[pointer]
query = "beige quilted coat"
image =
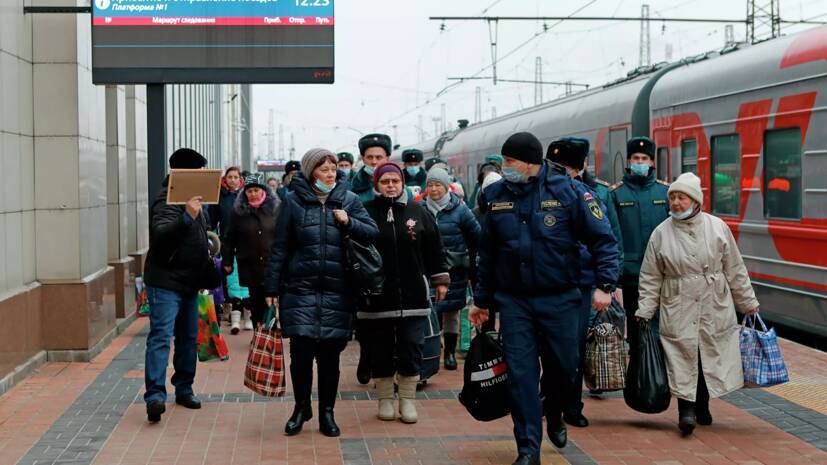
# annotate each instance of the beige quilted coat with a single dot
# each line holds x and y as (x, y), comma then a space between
(692, 271)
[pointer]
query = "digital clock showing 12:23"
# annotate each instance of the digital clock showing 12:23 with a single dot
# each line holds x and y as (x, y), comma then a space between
(312, 2)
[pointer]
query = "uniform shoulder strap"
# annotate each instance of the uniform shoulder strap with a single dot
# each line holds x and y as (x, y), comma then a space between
(615, 186)
(662, 182)
(602, 182)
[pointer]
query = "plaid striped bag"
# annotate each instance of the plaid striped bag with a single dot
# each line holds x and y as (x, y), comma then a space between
(604, 367)
(264, 373)
(760, 355)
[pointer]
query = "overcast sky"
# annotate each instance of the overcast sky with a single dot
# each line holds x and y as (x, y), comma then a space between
(391, 62)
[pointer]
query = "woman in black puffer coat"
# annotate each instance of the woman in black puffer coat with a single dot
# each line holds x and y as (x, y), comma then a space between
(307, 274)
(249, 239)
(460, 234)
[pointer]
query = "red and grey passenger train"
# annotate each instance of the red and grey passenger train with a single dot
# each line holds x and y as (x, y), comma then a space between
(750, 120)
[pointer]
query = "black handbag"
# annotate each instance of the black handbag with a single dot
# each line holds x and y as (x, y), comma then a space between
(364, 267)
(458, 259)
(485, 392)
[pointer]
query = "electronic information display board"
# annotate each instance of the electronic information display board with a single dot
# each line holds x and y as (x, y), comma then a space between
(212, 41)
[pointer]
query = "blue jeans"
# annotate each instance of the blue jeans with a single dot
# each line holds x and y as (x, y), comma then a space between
(529, 324)
(171, 314)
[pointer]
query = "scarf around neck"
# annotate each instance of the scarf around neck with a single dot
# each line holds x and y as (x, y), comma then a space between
(436, 206)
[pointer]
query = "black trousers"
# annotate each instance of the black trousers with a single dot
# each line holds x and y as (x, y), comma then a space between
(630, 297)
(258, 306)
(395, 345)
(326, 352)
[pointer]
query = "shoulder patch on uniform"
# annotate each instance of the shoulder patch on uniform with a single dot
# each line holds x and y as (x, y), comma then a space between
(595, 209)
(547, 204)
(662, 182)
(496, 206)
(615, 186)
(587, 196)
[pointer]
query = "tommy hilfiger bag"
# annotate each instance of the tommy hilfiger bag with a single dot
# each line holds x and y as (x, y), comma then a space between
(485, 388)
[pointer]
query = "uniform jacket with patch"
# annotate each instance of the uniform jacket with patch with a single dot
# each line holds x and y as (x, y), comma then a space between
(638, 205)
(531, 237)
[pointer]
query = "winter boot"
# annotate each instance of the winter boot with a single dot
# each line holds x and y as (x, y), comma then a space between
(248, 320)
(450, 348)
(407, 394)
(384, 392)
(702, 414)
(686, 416)
(327, 424)
(301, 413)
(363, 369)
(235, 321)
(227, 310)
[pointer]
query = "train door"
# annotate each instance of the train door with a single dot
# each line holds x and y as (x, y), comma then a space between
(617, 149)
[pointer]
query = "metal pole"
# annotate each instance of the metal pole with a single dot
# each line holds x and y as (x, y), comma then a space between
(156, 138)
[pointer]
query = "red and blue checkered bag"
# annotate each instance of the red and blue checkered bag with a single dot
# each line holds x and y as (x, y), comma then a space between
(761, 355)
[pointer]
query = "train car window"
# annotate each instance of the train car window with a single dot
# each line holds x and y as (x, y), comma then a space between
(662, 163)
(782, 173)
(689, 156)
(726, 174)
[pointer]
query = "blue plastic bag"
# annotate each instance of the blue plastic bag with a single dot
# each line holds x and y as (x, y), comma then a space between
(761, 355)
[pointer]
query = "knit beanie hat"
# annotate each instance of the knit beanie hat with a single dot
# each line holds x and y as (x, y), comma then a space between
(313, 158)
(690, 185)
(384, 168)
(439, 175)
(525, 147)
(490, 179)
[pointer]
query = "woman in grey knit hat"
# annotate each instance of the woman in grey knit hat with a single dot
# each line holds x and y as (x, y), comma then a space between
(306, 276)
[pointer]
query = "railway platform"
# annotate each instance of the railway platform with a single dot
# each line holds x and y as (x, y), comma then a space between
(93, 413)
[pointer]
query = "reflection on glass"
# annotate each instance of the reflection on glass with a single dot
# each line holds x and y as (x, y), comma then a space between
(782, 173)
(725, 174)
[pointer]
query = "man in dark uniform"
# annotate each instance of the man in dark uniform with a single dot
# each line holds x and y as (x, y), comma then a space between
(415, 176)
(345, 163)
(639, 203)
(375, 150)
(528, 264)
(290, 168)
(570, 154)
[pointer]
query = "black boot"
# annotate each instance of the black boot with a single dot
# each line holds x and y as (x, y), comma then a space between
(450, 348)
(686, 416)
(556, 429)
(526, 459)
(363, 369)
(702, 414)
(301, 413)
(327, 424)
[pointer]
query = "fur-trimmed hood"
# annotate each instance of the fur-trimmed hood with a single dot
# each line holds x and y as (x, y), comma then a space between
(242, 206)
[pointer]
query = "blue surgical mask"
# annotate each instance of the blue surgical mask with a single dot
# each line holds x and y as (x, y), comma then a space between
(640, 169)
(345, 173)
(682, 215)
(412, 170)
(369, 170)
(512, 175)
(324, 188)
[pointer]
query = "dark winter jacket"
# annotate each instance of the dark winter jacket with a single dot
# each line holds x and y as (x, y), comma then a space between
(307, 265)
(460, 235)
(178, 256)
(420, 180)
(530, 243)
(250, 237)
(221, 214)
(412, 253)
(361, 184)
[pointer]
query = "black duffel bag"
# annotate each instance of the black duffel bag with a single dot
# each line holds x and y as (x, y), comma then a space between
(647, 384)
(364, 268)
(485, 388)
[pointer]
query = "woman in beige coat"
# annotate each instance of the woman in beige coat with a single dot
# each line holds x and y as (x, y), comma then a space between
(692, 271)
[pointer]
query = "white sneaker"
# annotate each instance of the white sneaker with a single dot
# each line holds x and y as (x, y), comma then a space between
(248, 321)
(235, 321)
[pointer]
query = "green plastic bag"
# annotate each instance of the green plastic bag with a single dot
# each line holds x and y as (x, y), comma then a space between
(466, 330)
